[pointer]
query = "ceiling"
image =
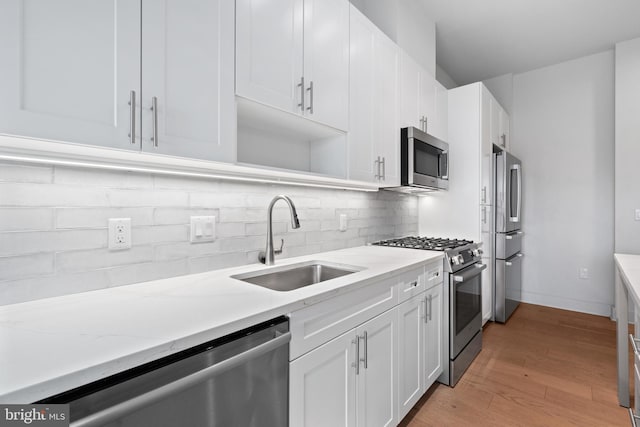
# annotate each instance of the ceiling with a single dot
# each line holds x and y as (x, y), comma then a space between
(480, 39)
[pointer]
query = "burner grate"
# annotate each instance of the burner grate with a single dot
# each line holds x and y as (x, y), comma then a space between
(425, 243)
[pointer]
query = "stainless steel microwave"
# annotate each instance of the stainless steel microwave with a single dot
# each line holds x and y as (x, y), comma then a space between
(424, 161)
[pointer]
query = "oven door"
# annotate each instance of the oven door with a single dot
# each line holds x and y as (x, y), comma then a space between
(465, 306)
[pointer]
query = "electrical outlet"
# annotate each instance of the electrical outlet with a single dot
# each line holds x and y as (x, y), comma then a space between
(203, 229)
(583, 273)
(119, 233)
(637, 214)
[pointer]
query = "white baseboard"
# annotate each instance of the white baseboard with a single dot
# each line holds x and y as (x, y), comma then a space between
(590, 307)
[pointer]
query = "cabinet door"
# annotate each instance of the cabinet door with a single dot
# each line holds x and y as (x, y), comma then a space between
(190, 99)
(68, 68)
(504, 129)
(269, 52)
(386, 128)
(495, 122)
(322, 385)
(362, 153)
(433, 336)
(428, 100)
(326, 61)
(377, 382)
(410, 95)
(411, 315)
(439, 125)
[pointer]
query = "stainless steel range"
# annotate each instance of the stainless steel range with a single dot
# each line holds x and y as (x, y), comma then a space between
(463, 267)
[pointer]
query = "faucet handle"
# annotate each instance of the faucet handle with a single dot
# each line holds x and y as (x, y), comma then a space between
(279, 251)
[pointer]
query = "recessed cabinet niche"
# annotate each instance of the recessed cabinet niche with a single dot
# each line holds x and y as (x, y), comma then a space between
(120, 74)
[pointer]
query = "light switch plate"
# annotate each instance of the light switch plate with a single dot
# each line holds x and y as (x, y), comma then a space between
(203, 229)
(119, 233)
(637, 214)
(583, 273)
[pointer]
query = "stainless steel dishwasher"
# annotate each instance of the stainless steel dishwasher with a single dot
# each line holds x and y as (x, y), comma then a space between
(239, 380)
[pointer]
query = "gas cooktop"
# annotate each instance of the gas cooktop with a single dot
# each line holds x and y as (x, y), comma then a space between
(426, 243)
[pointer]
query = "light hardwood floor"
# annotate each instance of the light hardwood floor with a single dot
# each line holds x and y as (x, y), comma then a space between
(546, 367)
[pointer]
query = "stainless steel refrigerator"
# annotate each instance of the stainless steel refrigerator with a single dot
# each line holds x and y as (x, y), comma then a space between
(508, 235)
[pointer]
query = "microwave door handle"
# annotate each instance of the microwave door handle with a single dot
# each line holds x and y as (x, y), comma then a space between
(519, 192)
(444, 158)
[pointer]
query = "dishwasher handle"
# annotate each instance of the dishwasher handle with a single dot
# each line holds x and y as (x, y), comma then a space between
(114, 412)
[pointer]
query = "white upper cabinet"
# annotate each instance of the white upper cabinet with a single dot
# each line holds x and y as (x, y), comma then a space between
(417, 95)
(439, 126)
(75, 72)
(188, 51)
(294, 55)
(374, 132)
(68, 68)
(269, 39)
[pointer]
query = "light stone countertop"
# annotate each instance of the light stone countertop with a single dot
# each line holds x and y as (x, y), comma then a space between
(52, 345)
(629, 269)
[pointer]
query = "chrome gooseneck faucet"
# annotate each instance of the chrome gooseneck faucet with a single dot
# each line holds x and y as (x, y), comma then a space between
(268, 256)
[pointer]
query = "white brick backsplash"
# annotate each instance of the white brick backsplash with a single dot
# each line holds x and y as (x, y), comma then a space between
(99, 217)
(148, 198)
(25, 219)
(53, 226)
(101, 258)
(215, 262)
(31, 242)
(21, 194)
(216, 200)
(16, 267)
(169, 216)
(25, 173)
(102, 178)
(159, 234)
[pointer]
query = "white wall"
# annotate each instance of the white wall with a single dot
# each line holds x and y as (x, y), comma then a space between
(563, 125)
(501, 87)
(627, 160)
(444, 78)
(407, 23)
(53, 226)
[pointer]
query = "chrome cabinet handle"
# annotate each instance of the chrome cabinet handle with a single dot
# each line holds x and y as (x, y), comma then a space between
(365, 359)
(425, 124)
(413, 284)
(508, 263)
(357, 363)
(384, 169)
(484, 194)
(377, 163)
(132, 117)
(154, 124)
(426, 309)
(504, 139)
(301, 86)
(310, 89)
(430, 307)
(121, 409)
(508, 237)
(484, 214)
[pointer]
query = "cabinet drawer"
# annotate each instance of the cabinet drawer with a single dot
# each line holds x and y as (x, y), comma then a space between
(433, 274)
(410, 284)
(315, 325)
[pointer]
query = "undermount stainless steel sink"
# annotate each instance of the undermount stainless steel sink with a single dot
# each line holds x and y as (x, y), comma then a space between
(290, 277)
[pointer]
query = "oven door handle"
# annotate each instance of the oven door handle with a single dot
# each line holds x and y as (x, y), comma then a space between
(470, 273)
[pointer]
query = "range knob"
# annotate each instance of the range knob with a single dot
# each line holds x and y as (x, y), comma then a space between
(477, 252)
(457, 260)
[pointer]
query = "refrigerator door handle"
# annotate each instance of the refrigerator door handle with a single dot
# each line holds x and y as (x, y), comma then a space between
(518, 172)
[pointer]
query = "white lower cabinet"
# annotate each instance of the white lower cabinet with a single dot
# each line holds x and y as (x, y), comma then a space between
(349, 381)
(372, 374)
(420, 352)
(376, 378)
(322, 385)
(410, 352)
(434, 334)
